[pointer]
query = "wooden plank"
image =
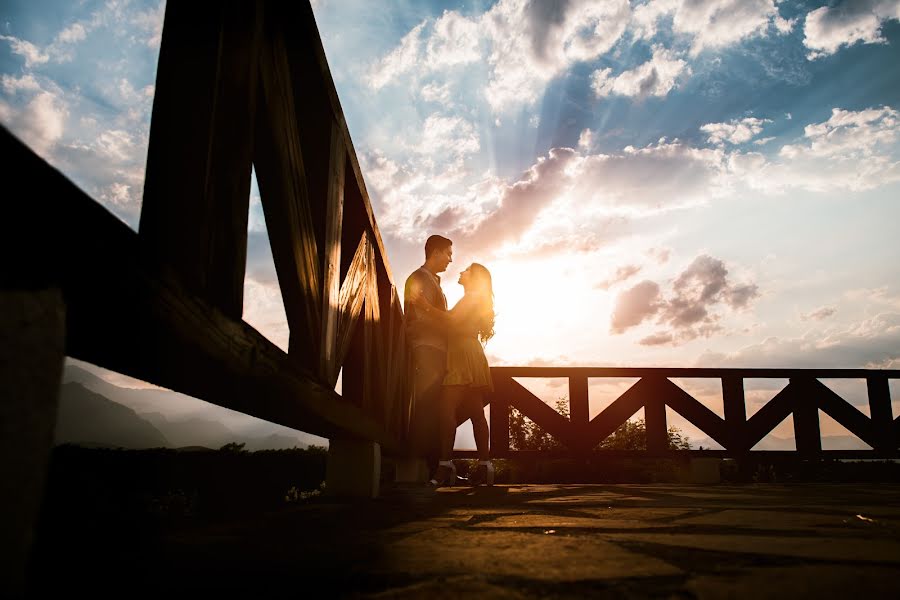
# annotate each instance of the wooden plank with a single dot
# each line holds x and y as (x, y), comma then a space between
(373, 366)
(352, 296)
(134, 320)
(735, 412)
(517, 396)
(622, 408)
(281, 176)
(197, 187)
(579, 410)
(669, 372)
(688, 407)
(769, 416)
(844, 413)
(331, 251)
(807, 434)
(880, 409)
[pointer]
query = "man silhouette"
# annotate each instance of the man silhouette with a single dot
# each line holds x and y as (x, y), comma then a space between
(427, 342)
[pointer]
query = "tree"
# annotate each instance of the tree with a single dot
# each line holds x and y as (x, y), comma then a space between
(525, 434)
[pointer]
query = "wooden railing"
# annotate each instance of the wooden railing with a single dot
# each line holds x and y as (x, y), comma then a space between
(803, 397)
(240, 83)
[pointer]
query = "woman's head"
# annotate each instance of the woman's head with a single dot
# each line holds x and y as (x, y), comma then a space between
(476, 280)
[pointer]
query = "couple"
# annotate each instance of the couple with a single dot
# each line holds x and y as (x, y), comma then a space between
(450, 372)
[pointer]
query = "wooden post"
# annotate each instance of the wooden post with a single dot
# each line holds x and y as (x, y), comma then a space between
(880, 410)
(806, 419)
(655, 420)
(735, 412)
(579, 412)
(32, 349)
(331, 272)
(197, 187)
(499, 414)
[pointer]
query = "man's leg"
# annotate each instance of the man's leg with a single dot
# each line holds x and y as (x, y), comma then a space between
(429, 366)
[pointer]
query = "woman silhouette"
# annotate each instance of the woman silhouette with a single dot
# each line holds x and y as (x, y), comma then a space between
(469, 324)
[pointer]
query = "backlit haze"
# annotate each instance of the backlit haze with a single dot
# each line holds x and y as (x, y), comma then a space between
(659, 183)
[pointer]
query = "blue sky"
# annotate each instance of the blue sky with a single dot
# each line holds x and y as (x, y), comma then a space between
(707, 183)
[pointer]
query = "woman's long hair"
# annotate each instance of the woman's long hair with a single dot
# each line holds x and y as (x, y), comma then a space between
(481, 282)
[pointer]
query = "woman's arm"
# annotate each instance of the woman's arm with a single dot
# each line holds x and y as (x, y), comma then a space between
(450, 319)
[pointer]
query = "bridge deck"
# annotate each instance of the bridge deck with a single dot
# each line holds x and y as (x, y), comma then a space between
(667, 540)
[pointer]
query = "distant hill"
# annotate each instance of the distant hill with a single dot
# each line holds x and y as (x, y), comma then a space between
(829, 442)
(165, 411)
(88, 418)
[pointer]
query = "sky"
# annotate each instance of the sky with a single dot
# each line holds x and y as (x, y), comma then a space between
(704, 183)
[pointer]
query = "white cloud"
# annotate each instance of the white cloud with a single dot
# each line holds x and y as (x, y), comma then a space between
(433, 92)
(585, 139)
(454, 41)
(523, 44)
(827, 29)
(399, 61)
(709, 24)
(150, 22)
(850, 151)
(40, 123)
(873, 342)
(26, 82)
(447, 135)
(72, 34)
(734, 131)
(31, 53)
(531, 43)
(656, 77)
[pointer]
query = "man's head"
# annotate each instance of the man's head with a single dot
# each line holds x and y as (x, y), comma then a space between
(438, 253)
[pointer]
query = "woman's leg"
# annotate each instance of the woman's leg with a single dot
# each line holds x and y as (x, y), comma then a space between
(473, 405)
(451, 396)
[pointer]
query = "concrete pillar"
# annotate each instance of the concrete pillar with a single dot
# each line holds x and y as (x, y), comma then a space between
(32, 350)
(353, 469)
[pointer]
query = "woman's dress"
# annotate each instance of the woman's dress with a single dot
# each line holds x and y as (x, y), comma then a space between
(466, 362)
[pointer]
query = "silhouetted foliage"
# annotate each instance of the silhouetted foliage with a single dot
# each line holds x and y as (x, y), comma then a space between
(525, 434)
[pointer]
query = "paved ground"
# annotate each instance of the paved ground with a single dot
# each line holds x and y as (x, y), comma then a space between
(521, 541)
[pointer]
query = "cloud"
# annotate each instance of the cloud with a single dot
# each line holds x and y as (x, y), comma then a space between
(523, 45)
(635, 305)
(656, 77)
(31, 53)
(734, 132)
(622, 274)
(521, 202)
(40, 123)
(709, 24)
(447, 135)
(399, 61)
(852, 150)
(433, 92)
(27, 82)
(827, 29)
(819, 314)
(689, 310)
(150, 23)
(873, 343)
(72, 34)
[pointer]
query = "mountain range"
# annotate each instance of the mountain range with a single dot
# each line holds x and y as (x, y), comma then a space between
(95, 412)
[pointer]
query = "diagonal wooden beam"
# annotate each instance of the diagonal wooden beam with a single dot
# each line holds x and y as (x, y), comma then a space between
(331, 273)
(844, 413)
(516, 395)
(351, 298)
(691, 409)
(769, 416)
(622, 408)
(282, 185)
(197, 188)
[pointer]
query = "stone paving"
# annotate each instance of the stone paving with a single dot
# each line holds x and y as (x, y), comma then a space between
(554, 541)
